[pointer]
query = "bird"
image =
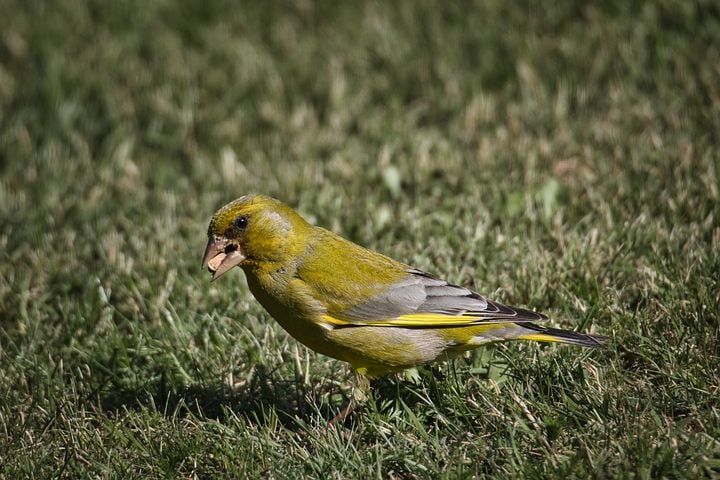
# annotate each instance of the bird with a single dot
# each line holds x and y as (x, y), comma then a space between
(356, 305)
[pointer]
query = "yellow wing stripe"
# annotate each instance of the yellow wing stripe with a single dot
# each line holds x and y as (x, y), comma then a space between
(428, 320)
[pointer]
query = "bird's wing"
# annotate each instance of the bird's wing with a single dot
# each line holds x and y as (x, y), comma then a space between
(422, 301)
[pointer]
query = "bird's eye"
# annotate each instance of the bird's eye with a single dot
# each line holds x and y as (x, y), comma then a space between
(241, 222)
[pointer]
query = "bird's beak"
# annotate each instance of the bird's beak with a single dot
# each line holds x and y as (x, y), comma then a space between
(220, 256)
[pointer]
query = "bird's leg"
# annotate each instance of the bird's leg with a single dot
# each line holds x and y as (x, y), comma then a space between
(358, 396)
(343, 414)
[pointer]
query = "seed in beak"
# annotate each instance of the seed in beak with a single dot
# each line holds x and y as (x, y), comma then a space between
(215, 262)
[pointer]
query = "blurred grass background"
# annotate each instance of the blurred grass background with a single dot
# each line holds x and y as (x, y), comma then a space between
(562, 156)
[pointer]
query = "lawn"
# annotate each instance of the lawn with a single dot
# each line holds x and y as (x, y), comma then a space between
(564, 157)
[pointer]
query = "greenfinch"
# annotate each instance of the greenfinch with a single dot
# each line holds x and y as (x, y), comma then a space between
(350, 303)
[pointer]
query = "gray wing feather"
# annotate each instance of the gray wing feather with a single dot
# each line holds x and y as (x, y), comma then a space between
(423, 293)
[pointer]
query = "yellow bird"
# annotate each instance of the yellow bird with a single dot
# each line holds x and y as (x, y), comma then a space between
(356, 305)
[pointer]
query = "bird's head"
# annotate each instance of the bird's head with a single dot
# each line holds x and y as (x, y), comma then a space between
(253, 230)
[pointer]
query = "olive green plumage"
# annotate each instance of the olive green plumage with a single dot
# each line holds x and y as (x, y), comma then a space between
(354, 304)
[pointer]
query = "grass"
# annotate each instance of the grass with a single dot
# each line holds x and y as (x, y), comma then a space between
(563, 157)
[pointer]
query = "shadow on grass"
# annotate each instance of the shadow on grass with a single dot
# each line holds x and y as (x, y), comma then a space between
(260, 401)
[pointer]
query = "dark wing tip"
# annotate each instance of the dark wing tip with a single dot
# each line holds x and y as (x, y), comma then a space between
(572, 337)
(514, 314)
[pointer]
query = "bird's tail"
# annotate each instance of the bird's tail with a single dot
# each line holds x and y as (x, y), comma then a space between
(539, 333)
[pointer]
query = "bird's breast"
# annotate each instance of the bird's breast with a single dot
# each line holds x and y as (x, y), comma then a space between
(296, 311)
